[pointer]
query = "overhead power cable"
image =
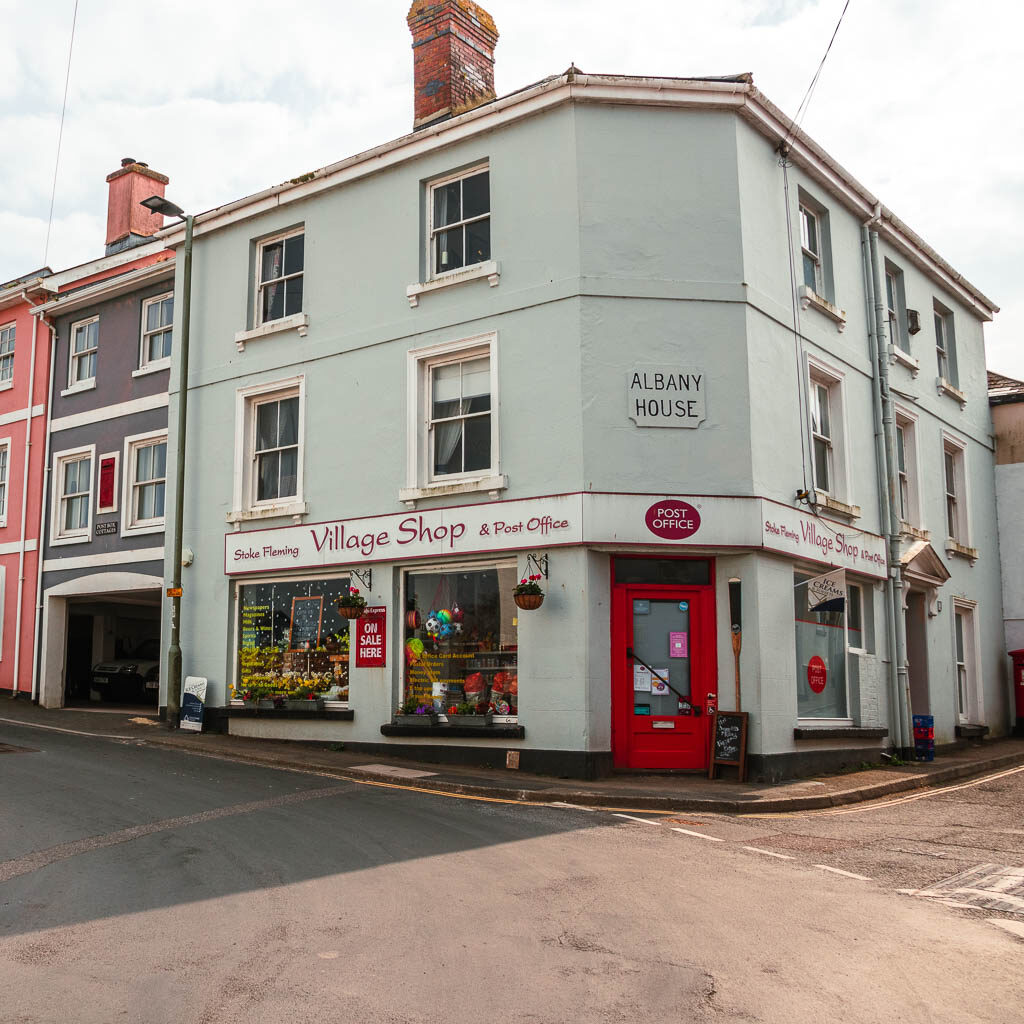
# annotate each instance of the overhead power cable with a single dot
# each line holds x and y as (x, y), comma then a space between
(60, 134)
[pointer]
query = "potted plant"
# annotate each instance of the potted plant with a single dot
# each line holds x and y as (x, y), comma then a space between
(469, 713)
(414, 711)
(352, 604)
(527, 593)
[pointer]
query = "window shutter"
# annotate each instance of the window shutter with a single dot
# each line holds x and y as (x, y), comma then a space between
(108, 482)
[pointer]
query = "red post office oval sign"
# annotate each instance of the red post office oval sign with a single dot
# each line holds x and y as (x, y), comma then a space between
(672, 519)
(817, 674)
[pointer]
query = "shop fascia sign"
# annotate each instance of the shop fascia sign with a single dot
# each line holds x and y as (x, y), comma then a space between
(674, 522)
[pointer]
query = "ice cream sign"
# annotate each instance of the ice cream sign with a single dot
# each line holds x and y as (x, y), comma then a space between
(665, 396)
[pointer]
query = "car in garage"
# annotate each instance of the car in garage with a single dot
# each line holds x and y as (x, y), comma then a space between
(134, 678)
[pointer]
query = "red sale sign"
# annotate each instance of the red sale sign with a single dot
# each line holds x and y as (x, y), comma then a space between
(371, 637)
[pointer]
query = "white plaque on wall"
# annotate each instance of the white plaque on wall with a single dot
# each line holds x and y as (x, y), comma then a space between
(665, 396)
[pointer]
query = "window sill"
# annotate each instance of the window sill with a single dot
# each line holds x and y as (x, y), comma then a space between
(840, 732)
(961, 550)
(906, 530)
(809, 298)
(500, 732)
(236, 710)
(88, 385)
(292, 508)
(491, 484)
(6, 385)
(944, 387)
(897, 355)
(825, 501)
(82, 539)
(491, 270)
(298, 322)
(154, 367)
(138, 531)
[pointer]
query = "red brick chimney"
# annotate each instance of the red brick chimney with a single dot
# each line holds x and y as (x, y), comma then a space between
(128, 223)
(453, 58)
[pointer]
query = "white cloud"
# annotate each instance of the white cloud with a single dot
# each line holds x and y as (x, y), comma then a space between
(917, 100)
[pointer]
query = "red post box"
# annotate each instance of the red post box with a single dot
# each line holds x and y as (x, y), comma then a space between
(1018, 689)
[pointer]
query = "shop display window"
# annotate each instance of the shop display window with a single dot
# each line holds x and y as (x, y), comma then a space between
(291, 640)
(821, 645)
(461, 640)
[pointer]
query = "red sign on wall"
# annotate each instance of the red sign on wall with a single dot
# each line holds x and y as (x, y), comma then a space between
(672, 519)
(372, 637)
(817, 674)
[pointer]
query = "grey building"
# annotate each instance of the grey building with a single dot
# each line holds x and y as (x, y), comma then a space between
(641, 338)
(104, 492)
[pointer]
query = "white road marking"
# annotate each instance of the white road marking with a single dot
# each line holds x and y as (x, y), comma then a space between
(572, 807)
(645, 821)
(1013, 927)
(699, 835)
(769, 853)
(840, 871)
(73, 732)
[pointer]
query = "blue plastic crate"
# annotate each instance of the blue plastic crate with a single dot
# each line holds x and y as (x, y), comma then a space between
(924, 721)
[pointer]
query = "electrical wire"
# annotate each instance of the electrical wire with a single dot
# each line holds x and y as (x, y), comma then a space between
(60, 134)
(805, 102)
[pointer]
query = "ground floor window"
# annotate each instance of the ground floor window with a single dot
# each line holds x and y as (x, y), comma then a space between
(821, 688)
(461, 640)
(291, 640)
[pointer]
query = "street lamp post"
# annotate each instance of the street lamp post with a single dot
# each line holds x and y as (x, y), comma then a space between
(157, 204)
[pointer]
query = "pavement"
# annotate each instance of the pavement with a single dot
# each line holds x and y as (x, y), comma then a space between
(669, 793)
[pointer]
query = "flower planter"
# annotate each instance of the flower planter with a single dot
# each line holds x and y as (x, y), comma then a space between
(351, 611)
(528, 601)
(304, 705)
(264, 704)
(473, 721)
(430, 719)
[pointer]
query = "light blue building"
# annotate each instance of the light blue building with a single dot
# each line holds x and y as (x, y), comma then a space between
(616, 332)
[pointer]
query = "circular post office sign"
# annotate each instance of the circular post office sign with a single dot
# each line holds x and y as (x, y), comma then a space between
(817, 674)
(672, 519)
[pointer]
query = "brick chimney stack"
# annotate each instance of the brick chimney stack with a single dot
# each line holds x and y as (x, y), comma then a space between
(453, 58)
(128, 223)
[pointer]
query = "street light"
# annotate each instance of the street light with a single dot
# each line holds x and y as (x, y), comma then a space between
(157, 204)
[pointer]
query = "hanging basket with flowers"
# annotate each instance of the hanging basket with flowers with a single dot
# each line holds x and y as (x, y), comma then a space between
(351, 605)
(527, 593)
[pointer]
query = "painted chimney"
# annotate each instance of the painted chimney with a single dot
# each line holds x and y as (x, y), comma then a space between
(128, 223)
(453, 58)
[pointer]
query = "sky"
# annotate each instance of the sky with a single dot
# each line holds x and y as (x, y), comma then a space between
(917, 100)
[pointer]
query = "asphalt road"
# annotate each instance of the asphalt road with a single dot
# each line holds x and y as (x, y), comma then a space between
(148, 885)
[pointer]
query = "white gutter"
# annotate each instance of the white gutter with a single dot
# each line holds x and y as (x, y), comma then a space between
(42, 506)
(24, 505)
(740, 96)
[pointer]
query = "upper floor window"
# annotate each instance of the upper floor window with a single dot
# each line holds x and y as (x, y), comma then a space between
(145, 483)
(906, 467)
(276, 448)
(460, 221)
(7, 353)
(157, 327)
(5, 449)
(821, 435)
(810, 246)
(280, 263)
(896, 307)
(954, 477)
(945, 343)
(85, 343)
(72, 495)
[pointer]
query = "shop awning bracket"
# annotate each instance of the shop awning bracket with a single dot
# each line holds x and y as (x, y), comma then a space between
(536, 565)
(365, 577)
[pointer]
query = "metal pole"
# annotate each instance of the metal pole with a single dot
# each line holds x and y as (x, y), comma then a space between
(174, 648)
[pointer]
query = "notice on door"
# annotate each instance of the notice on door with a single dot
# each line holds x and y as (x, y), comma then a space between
(679, 645)
(641, 679)
(371, 637)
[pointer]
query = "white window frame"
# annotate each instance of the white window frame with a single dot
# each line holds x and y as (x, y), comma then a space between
(974, 704)
(103, 510)
(958, 449)
(244, 505)
(130, 526)
(58, 535)
(906, 421)
(12, 327)
(420, 481)
(861, 607)
(5, 482)
(258, 283)
(147, 365)
(433, 274)
(809, 215)
(86, 382)
(821, 375)
(450, 567)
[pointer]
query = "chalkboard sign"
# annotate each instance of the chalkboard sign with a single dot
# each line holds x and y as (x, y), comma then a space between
(729, 742)
(307, 613)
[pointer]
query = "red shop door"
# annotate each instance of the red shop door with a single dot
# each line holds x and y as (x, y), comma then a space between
(664, 678)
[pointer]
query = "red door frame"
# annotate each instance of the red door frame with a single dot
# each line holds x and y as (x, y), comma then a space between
(703, 668)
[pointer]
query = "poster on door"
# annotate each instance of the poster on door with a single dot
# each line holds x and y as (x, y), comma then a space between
(659, 681)
(371, 637)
